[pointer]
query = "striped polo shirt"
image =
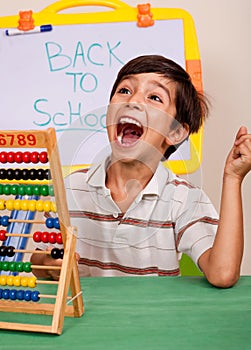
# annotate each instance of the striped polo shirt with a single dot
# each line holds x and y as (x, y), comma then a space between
(167, 218)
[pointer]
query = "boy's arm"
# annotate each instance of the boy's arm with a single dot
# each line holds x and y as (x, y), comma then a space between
(221, 264)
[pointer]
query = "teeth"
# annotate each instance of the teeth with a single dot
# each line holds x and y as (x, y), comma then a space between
(130, 120)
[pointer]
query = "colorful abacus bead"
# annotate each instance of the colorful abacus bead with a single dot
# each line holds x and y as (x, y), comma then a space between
(5, 220)
(3, 157)
(18, 157)
(43, 158)
(27, 295)
(37, 236)
(10, 157)
(6, 294)
(35, 296)
(13, 294)
(10, 251)
(27, 266)
(3, 235)
(57, 253)
(34, 157)
(3, 250)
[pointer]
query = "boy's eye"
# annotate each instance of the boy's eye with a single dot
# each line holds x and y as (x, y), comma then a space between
(155, 98)
(124, 91)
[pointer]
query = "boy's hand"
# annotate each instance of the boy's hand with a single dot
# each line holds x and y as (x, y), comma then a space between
(238, 162)
(49, 261)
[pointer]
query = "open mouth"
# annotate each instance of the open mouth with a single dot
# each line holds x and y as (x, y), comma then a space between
(129, 131)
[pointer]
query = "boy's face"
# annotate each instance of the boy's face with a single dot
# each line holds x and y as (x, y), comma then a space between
(140, 115)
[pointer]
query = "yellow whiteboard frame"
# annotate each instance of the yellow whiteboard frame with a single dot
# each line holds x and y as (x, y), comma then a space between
(121, 12)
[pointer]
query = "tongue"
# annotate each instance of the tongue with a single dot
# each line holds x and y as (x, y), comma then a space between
(130, 135)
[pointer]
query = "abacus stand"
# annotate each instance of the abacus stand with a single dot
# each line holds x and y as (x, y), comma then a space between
(69, 277)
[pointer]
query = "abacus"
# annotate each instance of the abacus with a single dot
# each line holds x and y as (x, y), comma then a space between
(47, 182)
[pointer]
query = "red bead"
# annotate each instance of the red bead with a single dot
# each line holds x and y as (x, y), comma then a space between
(59, 239)
(34, 157)
(43, 157)
(26, 157)
(37, 236)
(3, 235)
(3, 157)
(52, 237)
(18, 157)
(44, 237)
(11, 157)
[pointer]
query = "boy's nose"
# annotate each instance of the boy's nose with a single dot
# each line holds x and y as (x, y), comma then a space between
(136, 101)
(135, 105)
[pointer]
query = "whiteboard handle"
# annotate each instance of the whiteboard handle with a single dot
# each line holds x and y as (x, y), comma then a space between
(63, 5)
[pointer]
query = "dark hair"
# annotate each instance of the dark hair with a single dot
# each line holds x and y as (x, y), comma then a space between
(191, 105)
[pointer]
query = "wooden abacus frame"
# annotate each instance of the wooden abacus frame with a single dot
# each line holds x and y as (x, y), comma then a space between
(69, 277)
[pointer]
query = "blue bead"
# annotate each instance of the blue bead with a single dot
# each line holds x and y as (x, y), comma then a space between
(49, 222)
(35, 296)
(12, 294)
(1, 290)
(56, 223)
(27, 295)
(5, 220)
(20, 295)
(5, 293)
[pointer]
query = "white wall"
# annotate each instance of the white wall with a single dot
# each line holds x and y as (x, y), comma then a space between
(223, 30)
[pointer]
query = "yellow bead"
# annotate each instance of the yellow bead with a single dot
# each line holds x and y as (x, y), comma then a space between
(3, 279)
(17, 281)
(2, 204)
(32, 205)
(40, 205)
(32, 282)
(24, 204)
(47, 206)
(24, 281)
(9, 280)
(9, 204)
(17, 204)
(53, 207)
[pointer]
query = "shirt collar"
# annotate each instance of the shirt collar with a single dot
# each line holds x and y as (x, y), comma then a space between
(97, 176)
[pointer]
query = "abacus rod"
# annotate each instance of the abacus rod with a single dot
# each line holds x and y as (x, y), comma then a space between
(46, 282)
(50, 296)
(27, 221)
(32, 251)
(45, 267)
(18, 235)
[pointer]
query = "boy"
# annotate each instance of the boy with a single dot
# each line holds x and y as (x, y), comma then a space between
(134, 216)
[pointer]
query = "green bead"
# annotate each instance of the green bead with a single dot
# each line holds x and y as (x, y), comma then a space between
(5, 265)
(14, 189)
(1, 189)
(51, 191)
(44, 190)
(21, 190)
(19, 266)
(29, 190)
(27, 266)
(6, 190)
(12, 266)
(36, 190)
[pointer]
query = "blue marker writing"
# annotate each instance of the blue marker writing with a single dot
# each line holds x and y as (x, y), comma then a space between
(41, 29)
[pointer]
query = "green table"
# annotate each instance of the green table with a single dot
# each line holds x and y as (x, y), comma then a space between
(150, 313)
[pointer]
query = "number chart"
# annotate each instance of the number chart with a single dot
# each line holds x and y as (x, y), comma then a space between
(20, 190)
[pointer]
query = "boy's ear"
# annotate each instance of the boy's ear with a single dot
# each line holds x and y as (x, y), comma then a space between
(177, 135)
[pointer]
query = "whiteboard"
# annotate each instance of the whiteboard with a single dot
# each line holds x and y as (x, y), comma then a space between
(63, 78)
